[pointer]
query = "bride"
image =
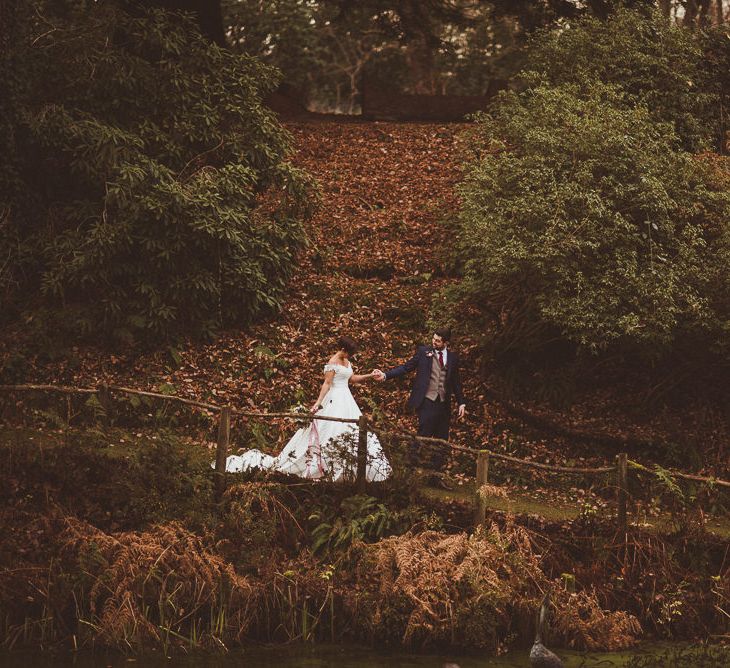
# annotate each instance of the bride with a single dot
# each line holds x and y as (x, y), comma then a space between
(325, 449)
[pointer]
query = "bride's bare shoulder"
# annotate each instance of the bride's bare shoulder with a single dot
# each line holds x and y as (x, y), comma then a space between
(330, 366)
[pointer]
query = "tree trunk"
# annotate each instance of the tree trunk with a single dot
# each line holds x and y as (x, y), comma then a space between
(353, 91)
(420, 39)
(8, 20)
(690, 13)
(705, 9)
(420, 63)
(719, 13)
(696, 13)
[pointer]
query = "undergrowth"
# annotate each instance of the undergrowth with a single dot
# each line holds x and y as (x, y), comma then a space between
(115, 540)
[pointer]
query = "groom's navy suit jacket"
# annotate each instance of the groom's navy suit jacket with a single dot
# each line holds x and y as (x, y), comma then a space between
(423, 359)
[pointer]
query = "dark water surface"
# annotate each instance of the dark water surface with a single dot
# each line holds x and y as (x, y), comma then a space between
(339, 656)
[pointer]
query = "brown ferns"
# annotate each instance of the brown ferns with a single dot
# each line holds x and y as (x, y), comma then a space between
(478, 591)
(160, 586)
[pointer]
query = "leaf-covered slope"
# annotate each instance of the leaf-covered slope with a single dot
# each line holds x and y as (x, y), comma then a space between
(378, 253)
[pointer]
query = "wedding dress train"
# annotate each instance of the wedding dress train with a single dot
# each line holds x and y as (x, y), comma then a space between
(323, 449)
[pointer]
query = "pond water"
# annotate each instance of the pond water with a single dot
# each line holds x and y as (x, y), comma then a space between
(339, 656)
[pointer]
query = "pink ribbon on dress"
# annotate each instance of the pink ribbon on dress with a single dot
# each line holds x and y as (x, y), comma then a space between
(314, 448)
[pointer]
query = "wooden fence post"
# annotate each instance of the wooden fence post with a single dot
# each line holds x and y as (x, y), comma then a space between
(221, 453)
(480, 510)
(105, 401)
(622, 489)
(362, 454)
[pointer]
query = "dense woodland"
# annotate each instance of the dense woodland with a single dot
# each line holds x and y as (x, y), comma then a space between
(163, 228)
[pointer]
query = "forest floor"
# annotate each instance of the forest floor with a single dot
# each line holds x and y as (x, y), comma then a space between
(378, 255)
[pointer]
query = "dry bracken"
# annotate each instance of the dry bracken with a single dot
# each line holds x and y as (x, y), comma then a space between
(476, 591)
(158, 586)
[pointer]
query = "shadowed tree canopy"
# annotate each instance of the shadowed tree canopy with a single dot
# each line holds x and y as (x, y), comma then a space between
(459, 47)
(416, 24)
(206, 12)
(147, 191)
(421, 19)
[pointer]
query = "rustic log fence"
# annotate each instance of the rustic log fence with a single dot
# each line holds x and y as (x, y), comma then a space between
(483, 456)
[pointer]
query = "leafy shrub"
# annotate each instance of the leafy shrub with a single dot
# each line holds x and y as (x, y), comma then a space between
(361, 518)
(584, 224)
(149, 190)
(654, 62)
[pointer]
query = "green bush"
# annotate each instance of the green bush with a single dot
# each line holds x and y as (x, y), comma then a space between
(654, 62)
(149, 189)
(584, 223)
(115, 480)
(363, 518)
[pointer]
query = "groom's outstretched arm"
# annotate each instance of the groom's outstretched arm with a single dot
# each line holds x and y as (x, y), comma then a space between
(403, 369)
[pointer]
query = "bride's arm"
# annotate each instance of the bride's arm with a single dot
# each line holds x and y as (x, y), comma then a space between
(355, 379)
(326, 385)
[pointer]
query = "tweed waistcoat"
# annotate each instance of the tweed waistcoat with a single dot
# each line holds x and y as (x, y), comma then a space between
(437, 383)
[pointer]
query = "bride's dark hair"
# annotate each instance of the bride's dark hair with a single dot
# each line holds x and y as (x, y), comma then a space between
(347, 344)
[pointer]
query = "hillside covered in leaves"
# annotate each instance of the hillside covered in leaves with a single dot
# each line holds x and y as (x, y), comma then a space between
(379, 255)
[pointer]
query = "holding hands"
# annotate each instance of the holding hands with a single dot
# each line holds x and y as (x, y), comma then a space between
(377, 374)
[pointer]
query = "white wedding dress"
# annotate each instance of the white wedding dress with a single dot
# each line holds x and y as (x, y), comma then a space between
(323, 449)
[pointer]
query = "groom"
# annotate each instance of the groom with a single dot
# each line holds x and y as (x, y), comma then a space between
(437, 378)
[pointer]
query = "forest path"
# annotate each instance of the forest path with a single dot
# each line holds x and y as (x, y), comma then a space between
(540, 507)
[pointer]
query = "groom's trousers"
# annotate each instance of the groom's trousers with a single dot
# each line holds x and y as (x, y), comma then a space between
(433, 421)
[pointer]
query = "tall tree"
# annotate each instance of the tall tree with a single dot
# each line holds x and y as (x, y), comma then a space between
(695, 12)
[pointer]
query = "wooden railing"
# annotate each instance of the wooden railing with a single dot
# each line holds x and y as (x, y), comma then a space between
(103, 393)
(483, 456)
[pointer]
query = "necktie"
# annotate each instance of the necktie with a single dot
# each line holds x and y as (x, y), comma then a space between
(441, 359)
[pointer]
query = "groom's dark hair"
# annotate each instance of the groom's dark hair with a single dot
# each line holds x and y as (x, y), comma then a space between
(347, 344)
(443, 332)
